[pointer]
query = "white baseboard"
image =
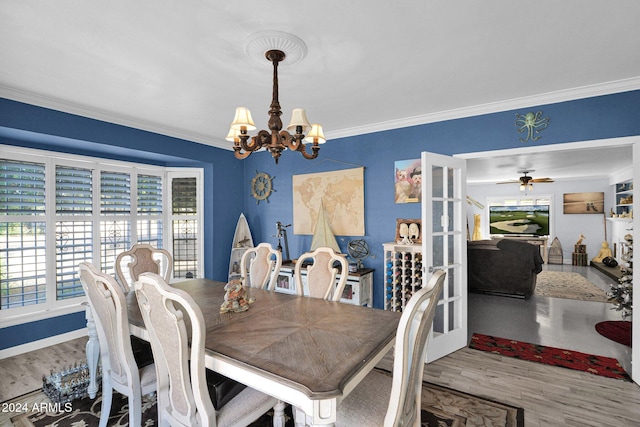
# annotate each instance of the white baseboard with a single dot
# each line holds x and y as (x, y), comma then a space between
(36, 345)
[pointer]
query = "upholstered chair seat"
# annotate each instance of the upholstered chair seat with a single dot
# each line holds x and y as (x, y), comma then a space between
(177, 331)
(120, 370)
(385, 400)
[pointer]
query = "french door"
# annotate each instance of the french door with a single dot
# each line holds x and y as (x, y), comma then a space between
(444, 247)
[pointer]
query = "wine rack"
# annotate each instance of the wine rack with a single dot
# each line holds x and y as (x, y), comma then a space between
(402, 273)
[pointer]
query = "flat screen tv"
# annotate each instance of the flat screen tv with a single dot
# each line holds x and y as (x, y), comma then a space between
(519, 220)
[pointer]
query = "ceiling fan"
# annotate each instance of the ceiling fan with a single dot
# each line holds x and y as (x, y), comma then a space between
(526, 181)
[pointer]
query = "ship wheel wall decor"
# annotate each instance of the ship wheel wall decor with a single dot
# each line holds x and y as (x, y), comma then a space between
(261, 186)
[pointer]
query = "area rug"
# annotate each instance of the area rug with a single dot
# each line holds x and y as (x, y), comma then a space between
(597, 365)
(440, 407)
(569, 285)
(616, 330)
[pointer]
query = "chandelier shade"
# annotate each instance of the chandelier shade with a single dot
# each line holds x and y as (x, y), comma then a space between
(275, 140)
(243, 120)
(316, 135)
(299, 118)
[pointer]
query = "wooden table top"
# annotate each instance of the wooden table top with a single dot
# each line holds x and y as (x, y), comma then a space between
(314, 346)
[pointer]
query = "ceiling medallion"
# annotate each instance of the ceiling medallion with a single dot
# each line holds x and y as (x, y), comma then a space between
(256, 45)
(272, 46)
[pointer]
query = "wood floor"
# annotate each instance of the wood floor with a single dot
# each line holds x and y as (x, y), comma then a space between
(550, 396)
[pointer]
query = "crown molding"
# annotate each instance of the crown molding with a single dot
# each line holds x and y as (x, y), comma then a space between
(107, 116)
(476, 110)
(493, 107)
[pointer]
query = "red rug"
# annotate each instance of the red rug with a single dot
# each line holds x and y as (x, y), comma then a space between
(616, 330)
(597, 365)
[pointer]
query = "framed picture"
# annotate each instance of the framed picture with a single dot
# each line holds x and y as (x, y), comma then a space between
(583, 203)
(408, 231)
(408, 181)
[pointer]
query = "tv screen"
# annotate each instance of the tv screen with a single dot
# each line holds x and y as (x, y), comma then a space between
(519, 220)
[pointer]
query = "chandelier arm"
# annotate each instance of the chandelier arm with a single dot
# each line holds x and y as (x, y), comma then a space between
(250, 146)
(240, 155)
(294, 143)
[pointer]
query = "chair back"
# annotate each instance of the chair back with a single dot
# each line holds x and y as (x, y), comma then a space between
(142, 258)
(109, 308)
(262, 264)
(410, 354)
(171, 317)
(321, 275)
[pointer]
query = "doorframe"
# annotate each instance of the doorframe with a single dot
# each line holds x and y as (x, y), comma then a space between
(634, 142)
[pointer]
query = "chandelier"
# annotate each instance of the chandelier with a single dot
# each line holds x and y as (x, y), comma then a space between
(275, 139)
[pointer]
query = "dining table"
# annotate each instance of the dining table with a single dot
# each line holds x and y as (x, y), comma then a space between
(308, 352)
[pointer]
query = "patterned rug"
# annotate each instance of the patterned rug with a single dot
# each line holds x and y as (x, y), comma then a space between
(561, 284)
(440, 407)
(616, 330)
(597, 365)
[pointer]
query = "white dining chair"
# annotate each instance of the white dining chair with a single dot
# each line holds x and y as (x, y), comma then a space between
(142, 258)
(321, 275)
(120, 371)
(260, 266)
(383, 400)
(177, 331)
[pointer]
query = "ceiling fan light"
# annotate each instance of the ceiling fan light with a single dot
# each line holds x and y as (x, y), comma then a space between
(522, 187)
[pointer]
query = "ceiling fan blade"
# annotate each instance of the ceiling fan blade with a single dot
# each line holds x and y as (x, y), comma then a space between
(542, 180)
(509, 182)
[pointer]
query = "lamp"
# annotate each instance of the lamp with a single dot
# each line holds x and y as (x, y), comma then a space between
(275, 140)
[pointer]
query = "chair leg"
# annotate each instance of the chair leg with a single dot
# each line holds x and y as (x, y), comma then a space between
(135, 410)
(107, 397)
(278, 414)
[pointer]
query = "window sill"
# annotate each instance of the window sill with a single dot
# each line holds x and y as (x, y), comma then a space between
(45, 313)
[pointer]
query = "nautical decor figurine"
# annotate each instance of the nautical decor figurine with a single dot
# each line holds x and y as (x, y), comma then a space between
(532, 123)
(236, 298)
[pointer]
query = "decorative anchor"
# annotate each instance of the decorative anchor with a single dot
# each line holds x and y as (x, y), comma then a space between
(282, 234)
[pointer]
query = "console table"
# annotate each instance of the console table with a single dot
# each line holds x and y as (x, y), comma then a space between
(357, 291)
(538, 241)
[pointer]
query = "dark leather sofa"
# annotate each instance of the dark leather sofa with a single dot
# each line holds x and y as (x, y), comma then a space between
(503, 267)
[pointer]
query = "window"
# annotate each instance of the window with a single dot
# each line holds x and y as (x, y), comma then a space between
(56, 212)
(74, 227)
(23, 228)
(184, 225)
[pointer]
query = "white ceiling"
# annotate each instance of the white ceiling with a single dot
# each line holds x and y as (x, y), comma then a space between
(179, 68)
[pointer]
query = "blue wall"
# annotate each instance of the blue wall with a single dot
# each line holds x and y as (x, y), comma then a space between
(35, 127)
(227, 192)
(587, 119)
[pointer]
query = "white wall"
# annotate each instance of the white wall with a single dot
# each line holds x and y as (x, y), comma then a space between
(566, 227)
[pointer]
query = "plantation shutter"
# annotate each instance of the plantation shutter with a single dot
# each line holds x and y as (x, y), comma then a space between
(184, 200)
(73, 191)
(22, 188)
(115, 193)
(149, 194)
(22, 238)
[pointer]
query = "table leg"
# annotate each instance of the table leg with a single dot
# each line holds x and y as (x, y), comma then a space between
(325, 415)
(93, 353)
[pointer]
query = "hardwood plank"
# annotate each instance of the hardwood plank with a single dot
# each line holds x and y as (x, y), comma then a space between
(550, 396)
